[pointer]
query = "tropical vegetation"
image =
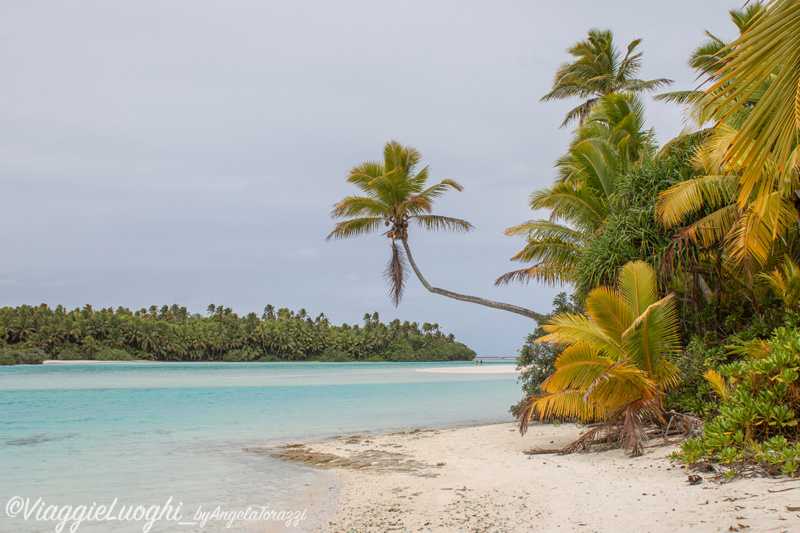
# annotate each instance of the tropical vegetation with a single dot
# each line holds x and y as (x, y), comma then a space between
(171, 333)
(615, 365)
(682, 259)
(712, 218)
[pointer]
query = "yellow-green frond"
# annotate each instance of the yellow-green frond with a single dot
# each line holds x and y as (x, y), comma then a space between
(652, 338)
(690, 196)
(606, 309)
(436, 222)
(573, 329)
(549, 274)
(354, 227)
(718, 384)
(565, 404)
(637, 285)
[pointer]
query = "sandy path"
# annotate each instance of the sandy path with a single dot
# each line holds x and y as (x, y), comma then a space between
(477, 479)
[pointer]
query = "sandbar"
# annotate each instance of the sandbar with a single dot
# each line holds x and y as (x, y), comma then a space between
(476, 369)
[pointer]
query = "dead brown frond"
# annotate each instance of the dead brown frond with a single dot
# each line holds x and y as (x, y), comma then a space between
(630, 427)
(395, 274)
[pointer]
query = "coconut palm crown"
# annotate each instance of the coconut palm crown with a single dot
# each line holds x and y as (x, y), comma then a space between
(598, 69)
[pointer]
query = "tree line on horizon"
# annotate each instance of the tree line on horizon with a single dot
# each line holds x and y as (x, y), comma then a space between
(682, 259)
(172, 333)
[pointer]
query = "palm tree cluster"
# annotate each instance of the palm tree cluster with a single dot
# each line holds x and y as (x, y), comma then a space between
(171, 333)
(718, 242)
(694, 242)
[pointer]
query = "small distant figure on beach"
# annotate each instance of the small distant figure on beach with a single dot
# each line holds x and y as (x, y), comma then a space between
(476, 362)
(481, 362)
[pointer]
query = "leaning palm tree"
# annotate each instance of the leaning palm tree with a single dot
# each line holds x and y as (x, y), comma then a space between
(597, 70)
(615, 367)
(395, 197)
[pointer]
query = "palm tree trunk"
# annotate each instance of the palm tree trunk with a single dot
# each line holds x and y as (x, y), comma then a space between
(466, 298)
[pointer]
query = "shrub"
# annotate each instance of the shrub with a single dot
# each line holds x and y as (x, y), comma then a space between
(332, 355)
(69, 354)
(756, 425)
(24, 356)
(244, 354)
(7, 359)
(112, 354)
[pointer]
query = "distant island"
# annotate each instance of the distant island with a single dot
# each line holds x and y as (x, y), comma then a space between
(31, 335)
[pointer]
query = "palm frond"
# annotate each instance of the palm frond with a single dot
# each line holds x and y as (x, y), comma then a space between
(652, 338)
(718, 384)
(637, 285)
(549, 274)
(437, 222)
(355, 227)
(690, 196)
(610, 312)
(573, 329)
(766, 56)
(358, 206)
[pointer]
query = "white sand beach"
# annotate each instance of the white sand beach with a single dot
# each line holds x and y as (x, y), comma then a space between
(90, 362)
(478, 479)
(476, 369)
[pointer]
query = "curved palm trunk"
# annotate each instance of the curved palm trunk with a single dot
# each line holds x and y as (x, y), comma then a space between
(466, 298)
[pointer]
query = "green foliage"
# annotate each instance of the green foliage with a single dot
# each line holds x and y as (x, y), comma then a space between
(694, 394)
(69, 354)
(171, 333)
(332, 355)
(616, 360)
(757, 425)
(247, 353)
(112, 354)
(536, 361)
(630, 232)
(23, 356)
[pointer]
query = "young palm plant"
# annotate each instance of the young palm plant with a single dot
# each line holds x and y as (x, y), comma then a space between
(394, 197)
(615, 367)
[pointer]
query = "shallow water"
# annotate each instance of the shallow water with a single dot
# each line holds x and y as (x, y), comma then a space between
(142, 433)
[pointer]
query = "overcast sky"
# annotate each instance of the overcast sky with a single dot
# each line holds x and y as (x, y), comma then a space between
(159, 152)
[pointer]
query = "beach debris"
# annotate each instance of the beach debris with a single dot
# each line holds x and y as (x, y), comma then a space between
(694, 479)
(612, 434)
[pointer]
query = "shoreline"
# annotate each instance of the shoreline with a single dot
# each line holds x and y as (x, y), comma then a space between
(490, 369)
(477, 478)
(477, 369)
(91, 361)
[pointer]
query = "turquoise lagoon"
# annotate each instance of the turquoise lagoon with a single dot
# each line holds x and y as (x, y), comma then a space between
(142, 433)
